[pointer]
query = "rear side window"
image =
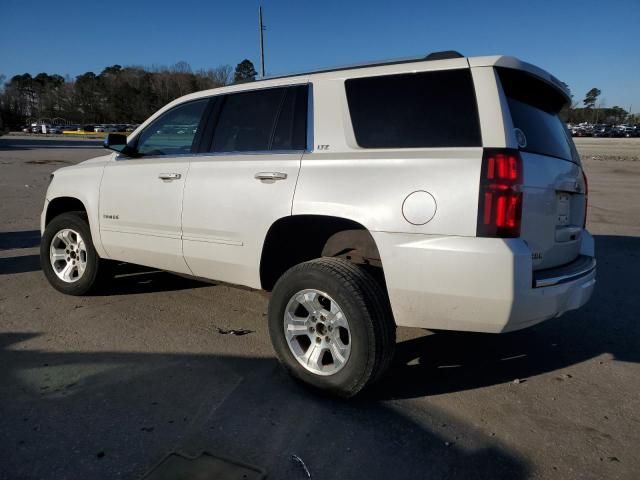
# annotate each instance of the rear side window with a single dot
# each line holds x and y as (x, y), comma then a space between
(260, 120)
(415, 110)
(534, 107)
(291, 128)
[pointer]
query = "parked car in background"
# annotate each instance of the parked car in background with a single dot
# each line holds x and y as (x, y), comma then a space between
(602, 130)
(581, 131)
(55, 129)
(41, 128)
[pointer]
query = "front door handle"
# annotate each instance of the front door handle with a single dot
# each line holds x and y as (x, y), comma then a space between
(169, 176)
(270, 176)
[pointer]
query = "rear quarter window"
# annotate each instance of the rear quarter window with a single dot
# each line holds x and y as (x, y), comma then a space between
(415, 110)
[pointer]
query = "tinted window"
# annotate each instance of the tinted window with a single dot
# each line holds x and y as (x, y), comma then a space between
(534, 107)
(291, 128)
(260, 120)
(432, 109)
(173, 132)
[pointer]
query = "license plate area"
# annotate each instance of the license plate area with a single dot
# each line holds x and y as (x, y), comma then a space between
(563, 209)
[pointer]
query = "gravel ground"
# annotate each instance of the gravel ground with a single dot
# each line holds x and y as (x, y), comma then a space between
(103, 387)
(606, 149)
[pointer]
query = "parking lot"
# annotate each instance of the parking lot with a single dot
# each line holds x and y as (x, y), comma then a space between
(106, 386)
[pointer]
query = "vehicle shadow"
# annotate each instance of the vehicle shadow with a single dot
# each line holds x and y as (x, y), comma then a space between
(105, 415)
(450, 361)
(19, 264)
(10, 143)
(129, 279)
(21, 239)
(446, 362)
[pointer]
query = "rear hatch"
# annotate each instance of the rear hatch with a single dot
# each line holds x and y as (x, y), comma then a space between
(554, 187)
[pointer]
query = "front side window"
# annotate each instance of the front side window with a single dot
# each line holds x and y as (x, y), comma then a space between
(415, 110)
(173, 133)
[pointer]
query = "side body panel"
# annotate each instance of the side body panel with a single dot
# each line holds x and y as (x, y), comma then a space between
(370, 186)
(227, 212)
(82, 182)
(140, 212)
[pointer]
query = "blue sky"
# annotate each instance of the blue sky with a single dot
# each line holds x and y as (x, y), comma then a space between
(584, 43)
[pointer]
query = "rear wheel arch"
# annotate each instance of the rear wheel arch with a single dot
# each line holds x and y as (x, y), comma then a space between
(300, 238)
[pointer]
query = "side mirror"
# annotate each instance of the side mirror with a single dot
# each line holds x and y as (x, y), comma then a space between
(118, 143)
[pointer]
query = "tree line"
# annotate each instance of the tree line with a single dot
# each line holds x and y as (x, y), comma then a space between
(131, 94)
(593, 111)
(116, 95)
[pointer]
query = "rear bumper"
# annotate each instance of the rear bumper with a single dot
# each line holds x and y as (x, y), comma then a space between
(580, 267)
(477, 284)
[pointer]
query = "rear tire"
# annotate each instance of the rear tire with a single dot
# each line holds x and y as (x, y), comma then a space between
(68, 258)
(331, 325)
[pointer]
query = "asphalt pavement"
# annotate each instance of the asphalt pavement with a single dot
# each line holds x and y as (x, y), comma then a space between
(106, 386)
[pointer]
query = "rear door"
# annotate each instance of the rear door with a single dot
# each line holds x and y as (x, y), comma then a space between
(246, 181)
(554, 188)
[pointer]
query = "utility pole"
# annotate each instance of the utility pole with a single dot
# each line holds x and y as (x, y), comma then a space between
(262, 29)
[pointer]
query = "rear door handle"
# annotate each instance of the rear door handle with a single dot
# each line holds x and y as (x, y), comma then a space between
(169, 176)
(270, 176)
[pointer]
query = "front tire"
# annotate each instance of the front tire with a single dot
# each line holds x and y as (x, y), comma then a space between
(67, 255)
(331, 325)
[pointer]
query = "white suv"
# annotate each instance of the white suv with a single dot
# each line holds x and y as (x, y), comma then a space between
(441, 193)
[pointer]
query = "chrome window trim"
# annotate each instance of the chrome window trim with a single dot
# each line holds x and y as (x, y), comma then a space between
(252, 152)
(215, 154)
(309, 118)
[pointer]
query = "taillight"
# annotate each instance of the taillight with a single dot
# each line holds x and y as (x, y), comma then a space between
(500, 201)
(586, 199)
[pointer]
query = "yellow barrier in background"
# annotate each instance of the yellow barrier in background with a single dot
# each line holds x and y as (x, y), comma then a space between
(93, 134)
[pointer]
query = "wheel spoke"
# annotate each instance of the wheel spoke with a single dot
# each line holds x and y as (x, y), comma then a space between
(82, 266)
(309, 300)
(66, 238)
(313, 356)
(291, 319)
(339, 320)
(57, 254)
(337, 352)
(67, 272)
(296, 331)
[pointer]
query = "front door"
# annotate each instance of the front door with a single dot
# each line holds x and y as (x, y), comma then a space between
(141, 197)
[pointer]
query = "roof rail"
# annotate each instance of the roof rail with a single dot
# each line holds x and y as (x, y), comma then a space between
(432, 56)
(443, 55)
